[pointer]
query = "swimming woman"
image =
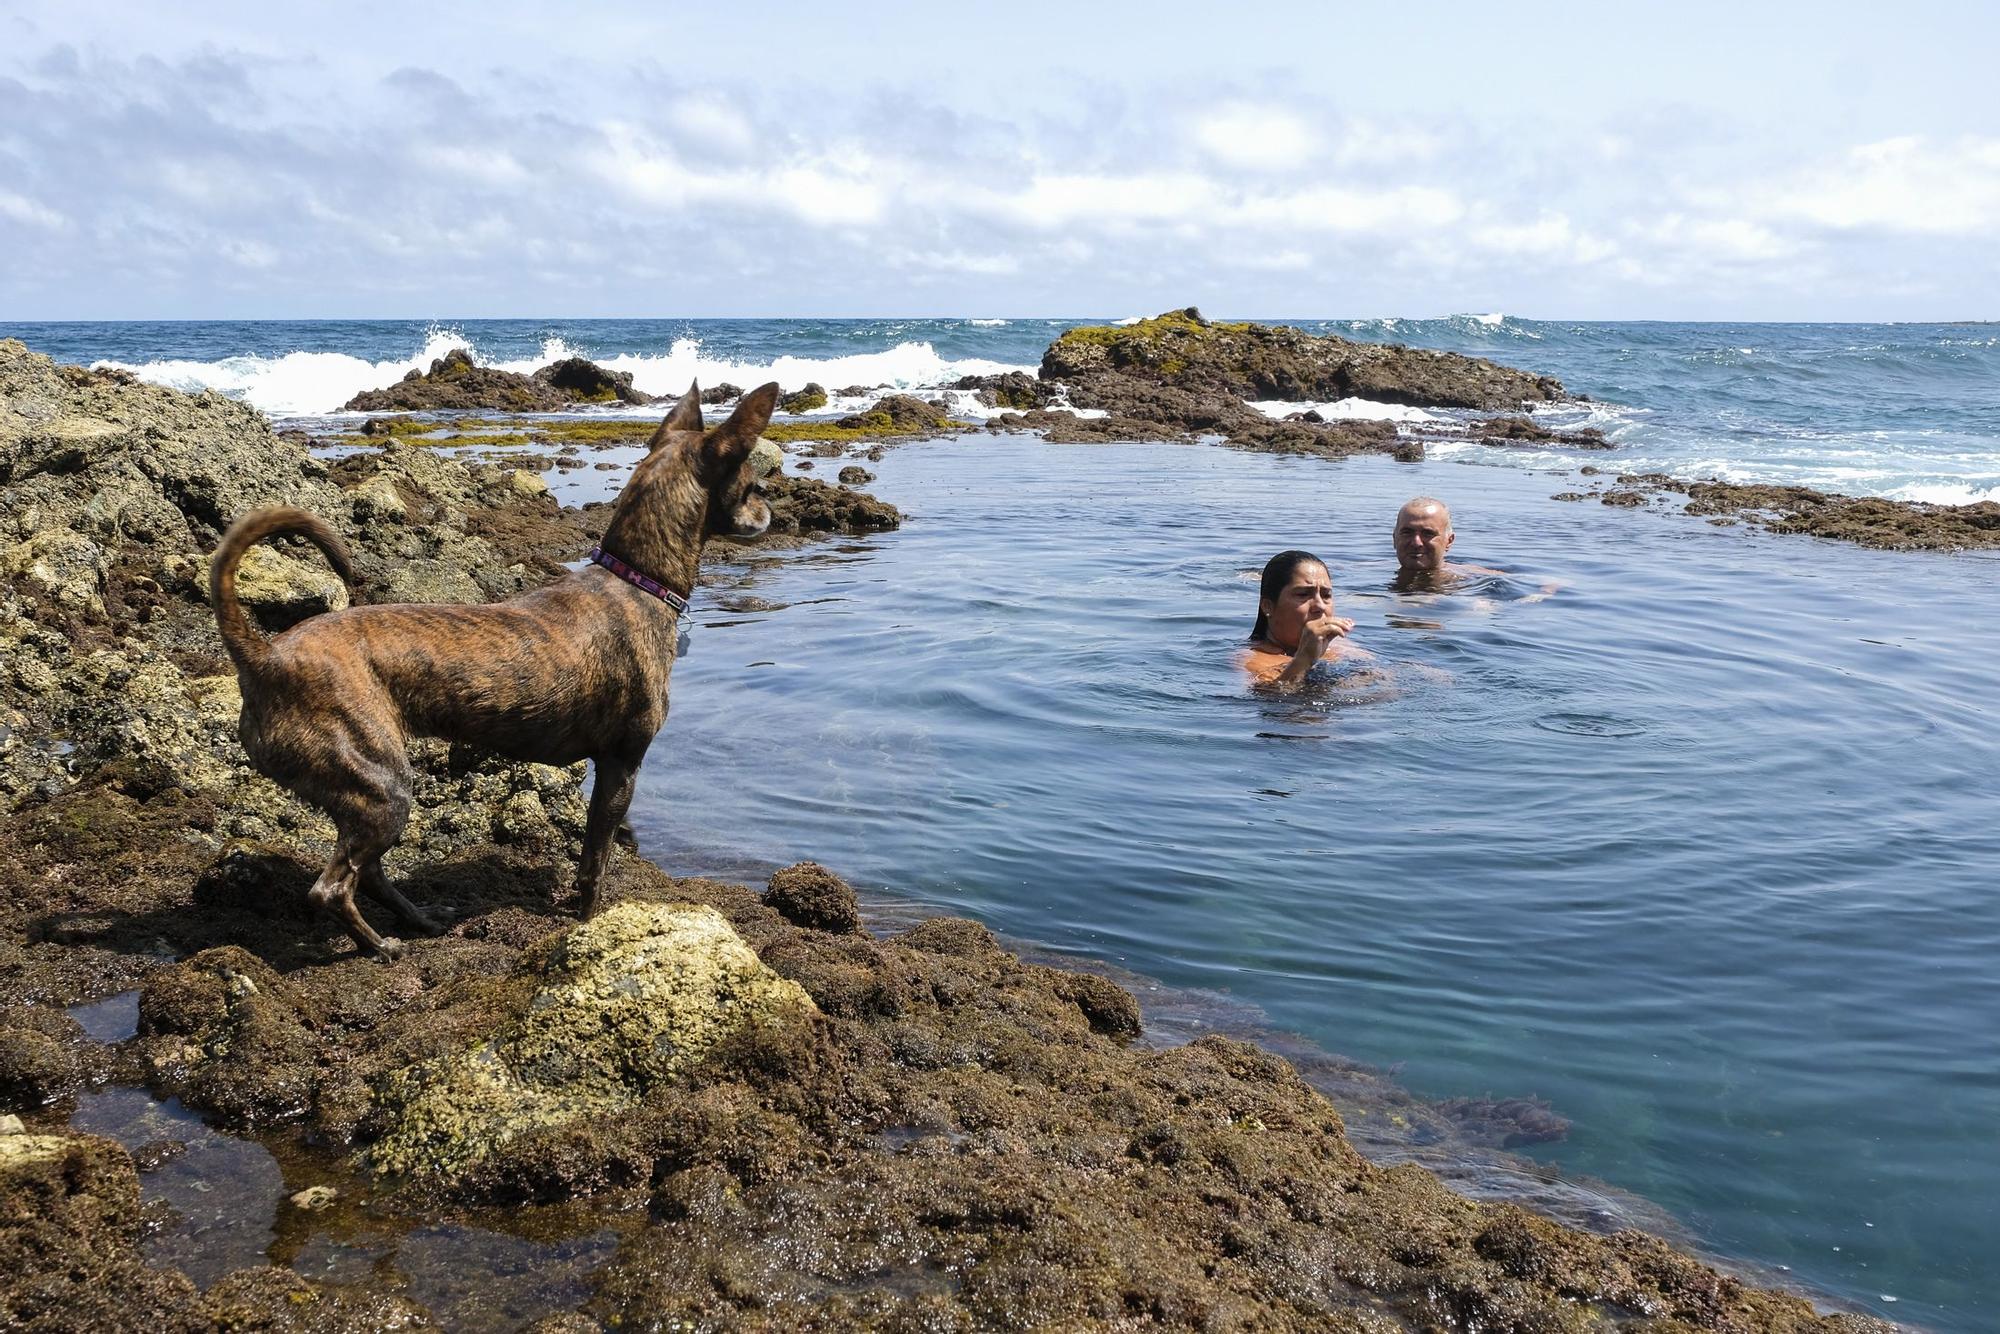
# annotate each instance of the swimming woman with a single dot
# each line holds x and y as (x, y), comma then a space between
(1296, 627)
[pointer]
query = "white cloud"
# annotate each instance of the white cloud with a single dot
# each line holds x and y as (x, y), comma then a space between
(486, 166)
(709, 123)
(824, 193)
(1898, 185)
(1352, 209)
(1368, 143)
(1064, 200)
(1255, 137)
(1551, 238)
(249, 254)
(25, 210)
(1726, 239)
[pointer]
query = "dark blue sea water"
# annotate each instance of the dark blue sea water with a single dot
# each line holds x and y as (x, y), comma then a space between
(1698, 848)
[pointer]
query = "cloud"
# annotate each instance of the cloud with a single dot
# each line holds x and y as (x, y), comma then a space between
(484, 189)
(29, 213)
(1256, 138)
(1907, 185)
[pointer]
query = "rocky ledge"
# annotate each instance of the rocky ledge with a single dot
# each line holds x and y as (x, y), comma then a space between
(1184, 376)
(1872, 521)
(778, 1119)
(455, 382)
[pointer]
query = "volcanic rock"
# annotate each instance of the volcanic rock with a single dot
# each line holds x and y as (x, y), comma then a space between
(808, 399)
(587, 382)
(1257, 361)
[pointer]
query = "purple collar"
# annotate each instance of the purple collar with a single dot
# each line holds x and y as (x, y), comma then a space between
(631, 576)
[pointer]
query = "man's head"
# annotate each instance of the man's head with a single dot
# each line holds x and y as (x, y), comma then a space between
(1423, 535)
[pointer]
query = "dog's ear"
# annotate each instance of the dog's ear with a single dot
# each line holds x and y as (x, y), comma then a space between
(686, 416)
(730, 443)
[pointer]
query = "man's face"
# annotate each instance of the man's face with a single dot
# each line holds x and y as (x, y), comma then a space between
(1307, 596)
(1423, 536)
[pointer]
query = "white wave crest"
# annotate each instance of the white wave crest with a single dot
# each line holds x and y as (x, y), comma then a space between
(1347, 409)
(316, 383)
(297, 383)
(989, 324)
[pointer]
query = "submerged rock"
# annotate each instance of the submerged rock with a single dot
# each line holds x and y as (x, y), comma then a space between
(624, 1003)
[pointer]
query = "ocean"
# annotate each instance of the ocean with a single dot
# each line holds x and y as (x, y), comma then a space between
(1909, 411)
(1697, 849)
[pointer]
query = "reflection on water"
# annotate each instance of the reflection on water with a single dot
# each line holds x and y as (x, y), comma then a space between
(1658, 849)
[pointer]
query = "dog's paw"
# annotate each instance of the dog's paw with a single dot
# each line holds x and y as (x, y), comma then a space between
(390, 950)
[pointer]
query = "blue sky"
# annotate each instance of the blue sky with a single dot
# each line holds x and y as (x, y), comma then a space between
(1692, 161)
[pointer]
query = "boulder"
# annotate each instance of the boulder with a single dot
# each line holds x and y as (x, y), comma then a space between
(722, 393)
(1015, 389)
(284, 589)
(811, 896)
(896, 414)
(765, 457)
(809, 399)
(629, 1001)
(587, 382)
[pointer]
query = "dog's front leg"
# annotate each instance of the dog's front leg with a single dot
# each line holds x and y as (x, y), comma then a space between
(610, 794)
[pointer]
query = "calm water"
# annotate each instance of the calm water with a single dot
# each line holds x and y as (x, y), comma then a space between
(1697, 849)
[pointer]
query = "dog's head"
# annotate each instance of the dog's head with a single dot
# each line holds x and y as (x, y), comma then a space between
(693, 474)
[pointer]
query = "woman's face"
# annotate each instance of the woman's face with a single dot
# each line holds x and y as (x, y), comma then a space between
(1307, 596)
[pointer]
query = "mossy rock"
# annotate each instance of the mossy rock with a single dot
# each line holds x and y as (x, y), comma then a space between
(623, 1004)
(809, 399)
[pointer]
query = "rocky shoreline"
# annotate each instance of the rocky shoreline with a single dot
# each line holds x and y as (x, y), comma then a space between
(777, 1118)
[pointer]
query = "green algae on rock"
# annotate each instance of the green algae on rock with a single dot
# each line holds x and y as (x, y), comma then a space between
(625, 1002)
(1259, 361)
(809, 399)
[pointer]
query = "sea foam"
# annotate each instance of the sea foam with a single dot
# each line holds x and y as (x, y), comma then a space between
(317, 383)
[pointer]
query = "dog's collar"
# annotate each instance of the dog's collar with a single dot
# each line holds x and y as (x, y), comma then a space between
(631, 576)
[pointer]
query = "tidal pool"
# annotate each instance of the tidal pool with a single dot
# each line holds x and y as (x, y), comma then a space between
(1696, 849)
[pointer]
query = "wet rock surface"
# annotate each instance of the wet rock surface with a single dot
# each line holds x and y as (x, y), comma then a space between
(1897, 525)
(1527, 431)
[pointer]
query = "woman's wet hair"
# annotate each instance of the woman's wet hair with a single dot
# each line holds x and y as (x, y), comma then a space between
(1277, 574)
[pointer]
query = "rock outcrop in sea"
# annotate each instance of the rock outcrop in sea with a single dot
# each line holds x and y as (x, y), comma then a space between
(455, 382)
(1181, 375)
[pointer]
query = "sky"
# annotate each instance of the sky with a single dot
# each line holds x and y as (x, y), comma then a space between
(231, 160)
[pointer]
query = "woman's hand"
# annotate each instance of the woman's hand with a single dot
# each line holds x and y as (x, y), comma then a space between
(1314, 640)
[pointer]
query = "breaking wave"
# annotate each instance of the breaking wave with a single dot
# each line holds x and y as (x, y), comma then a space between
(298, 384)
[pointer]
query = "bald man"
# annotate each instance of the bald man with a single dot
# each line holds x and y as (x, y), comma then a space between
(1423, 537)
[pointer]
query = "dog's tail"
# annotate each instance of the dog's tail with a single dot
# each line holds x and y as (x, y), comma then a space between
(240, 635)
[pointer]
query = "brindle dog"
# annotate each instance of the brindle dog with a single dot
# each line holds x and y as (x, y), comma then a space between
(575, 670)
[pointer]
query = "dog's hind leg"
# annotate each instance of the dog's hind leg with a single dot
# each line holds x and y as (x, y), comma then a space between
(333, 893)
(370, 816)
(375, 883)
(610, 794)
